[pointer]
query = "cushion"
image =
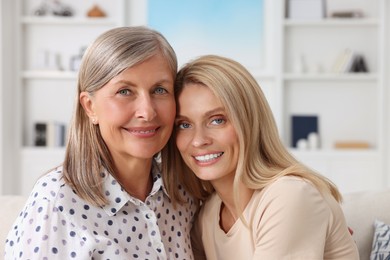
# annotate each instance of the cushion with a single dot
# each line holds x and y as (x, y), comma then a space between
(381, 241)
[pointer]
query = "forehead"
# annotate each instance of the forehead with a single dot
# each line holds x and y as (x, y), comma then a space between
(197, 98)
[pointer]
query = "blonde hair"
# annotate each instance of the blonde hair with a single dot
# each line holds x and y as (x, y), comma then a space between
(262, 156)
(111, 53)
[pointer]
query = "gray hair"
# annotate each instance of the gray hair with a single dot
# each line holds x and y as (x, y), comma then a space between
(111, 53)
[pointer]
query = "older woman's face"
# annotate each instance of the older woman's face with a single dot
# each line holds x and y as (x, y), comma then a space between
(135, 111)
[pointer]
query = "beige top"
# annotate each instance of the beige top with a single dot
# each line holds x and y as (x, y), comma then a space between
(290, 219)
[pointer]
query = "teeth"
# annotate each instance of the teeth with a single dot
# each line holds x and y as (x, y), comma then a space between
(207, 157)
(146, 132)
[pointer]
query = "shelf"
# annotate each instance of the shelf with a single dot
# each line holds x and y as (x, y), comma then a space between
(54, 20)
(353, 22)
(49, 74)
(331, 76)
(43, 150)
(340, 153)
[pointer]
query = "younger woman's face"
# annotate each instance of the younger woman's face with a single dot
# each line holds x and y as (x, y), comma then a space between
(206, 138)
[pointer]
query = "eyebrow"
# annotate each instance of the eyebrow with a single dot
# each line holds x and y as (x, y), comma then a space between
(130, 83)
(207, 114)
(214, 111)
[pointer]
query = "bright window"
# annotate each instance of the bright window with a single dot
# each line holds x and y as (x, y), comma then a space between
(230, 28)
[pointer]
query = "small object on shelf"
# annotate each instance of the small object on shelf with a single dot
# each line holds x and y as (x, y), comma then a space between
(96, 11)
(347, 14)
(344, 61)
(306, 9)
(351, 145)
(313, 141)
(359, 64)
(58, 60)
(302, 126)
(349, 61)
(300, 65)
(49, 134)
(48, 60)
(302, 144)
(40, 134)
(54, 7)
(60, 9)
(75, 60)
(42, 9)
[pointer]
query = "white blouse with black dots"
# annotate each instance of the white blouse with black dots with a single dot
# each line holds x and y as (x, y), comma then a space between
(57, 224)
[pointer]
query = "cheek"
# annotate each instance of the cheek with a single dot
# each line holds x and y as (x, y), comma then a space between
(111, 110)
(167, 111)
(181, 141)
(231, 139)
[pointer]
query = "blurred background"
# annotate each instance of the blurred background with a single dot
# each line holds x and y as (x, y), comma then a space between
(322, 64)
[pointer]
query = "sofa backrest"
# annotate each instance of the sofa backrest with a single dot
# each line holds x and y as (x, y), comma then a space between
(11, 206)
(360, 210)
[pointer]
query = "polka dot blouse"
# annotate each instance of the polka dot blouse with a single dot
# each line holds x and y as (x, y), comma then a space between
(57, 224)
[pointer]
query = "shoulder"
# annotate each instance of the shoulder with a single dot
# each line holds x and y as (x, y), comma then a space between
(50, 190)
(48, 186)
(290, 194)
(288, 186)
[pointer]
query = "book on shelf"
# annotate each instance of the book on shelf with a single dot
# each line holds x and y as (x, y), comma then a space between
(301, 127)
(349, 61)
(351, 145)
(49, 134)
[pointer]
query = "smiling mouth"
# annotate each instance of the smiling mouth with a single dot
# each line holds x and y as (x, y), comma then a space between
(208, 157)
(144, 132)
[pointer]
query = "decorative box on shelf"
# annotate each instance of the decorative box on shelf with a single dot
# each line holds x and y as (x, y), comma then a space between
(306, 9)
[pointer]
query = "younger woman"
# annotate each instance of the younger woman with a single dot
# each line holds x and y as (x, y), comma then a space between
(259, 202)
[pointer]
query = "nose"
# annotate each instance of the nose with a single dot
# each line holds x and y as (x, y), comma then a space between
(201, 138)
(145, 108)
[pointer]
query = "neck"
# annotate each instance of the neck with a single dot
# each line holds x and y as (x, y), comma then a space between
(229, 213)
(135, 177)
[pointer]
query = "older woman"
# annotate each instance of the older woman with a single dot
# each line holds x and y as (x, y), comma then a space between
(108, 200)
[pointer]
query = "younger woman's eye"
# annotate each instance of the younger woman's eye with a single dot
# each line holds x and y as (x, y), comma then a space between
(218, 121)
(160, 90)
(183, 125)
(124, 92)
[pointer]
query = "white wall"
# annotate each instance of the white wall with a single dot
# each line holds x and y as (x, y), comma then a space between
(386, 71)
(8, 143)
(9, 162)
(1, 99)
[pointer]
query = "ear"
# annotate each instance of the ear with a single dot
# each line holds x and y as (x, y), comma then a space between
(87, 103)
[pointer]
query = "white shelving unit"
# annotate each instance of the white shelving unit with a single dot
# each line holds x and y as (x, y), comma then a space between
(349, 106)
(46, 94)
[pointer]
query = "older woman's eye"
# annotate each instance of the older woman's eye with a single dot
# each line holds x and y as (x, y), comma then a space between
(160, 90)
(124, 92)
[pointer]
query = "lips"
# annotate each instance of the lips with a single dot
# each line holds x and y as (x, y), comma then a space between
(207, 157)
(143, 131)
